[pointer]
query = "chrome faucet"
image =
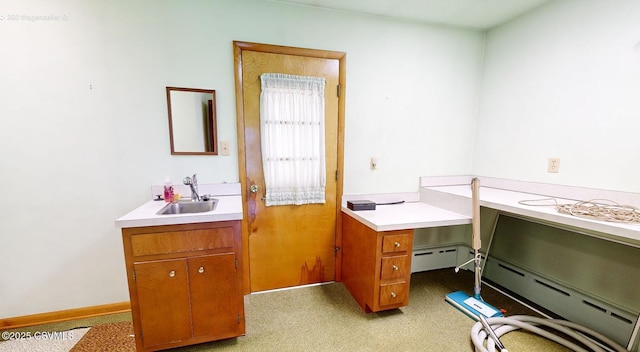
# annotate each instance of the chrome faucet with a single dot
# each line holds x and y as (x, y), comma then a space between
(193, 183)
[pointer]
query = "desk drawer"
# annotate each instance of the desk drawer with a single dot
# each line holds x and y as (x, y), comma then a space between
(396, 243)
(394, 293)
(182, 241)
(396, 267)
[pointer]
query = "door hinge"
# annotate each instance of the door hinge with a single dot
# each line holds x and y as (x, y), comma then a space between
(236, 263)
(336, 249)
(238, 318)
(336, 175)
(134, 274)
(338, 91)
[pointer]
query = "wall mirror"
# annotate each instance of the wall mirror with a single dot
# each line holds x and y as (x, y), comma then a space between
(192, 121)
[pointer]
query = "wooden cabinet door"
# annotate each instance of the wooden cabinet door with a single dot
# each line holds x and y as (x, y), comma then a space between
(214, 296)
(163, 300)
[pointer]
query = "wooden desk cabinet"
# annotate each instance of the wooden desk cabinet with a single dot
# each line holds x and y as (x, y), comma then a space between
(185, 283)
(376, 266)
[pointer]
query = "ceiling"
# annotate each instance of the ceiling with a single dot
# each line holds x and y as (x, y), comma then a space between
(477, 14)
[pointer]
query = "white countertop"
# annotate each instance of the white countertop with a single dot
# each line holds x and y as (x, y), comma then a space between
(408, 215)
(445, 201)
(458, 196)
(229, 207)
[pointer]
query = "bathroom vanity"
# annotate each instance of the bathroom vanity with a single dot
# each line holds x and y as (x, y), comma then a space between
(185, 274)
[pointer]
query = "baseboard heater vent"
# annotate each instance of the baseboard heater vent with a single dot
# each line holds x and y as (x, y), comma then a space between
(511, 270)
(564, 301)
(621, 318)
(433, 258)
(551, 287)
(595, 306)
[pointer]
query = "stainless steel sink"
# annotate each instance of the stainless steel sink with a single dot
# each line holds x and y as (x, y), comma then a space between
(189, 207)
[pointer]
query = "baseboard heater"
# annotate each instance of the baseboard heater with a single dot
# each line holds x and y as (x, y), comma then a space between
(567, 302)
(424, 259)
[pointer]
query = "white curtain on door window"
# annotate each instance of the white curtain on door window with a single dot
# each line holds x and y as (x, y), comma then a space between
(292, 133)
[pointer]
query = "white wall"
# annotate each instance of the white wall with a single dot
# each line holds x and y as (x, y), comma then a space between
(411, 102)
(84, 130)
(563, 81)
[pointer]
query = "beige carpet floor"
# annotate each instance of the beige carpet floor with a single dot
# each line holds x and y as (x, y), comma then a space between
(326, 318)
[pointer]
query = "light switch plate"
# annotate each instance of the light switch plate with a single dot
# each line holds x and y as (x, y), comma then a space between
(224, 148)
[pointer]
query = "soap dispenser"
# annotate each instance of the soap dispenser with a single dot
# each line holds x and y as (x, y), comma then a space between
(168, 190)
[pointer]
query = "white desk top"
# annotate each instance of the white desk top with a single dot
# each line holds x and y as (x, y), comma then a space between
(409, 215)
(507, 200)
(446, 204)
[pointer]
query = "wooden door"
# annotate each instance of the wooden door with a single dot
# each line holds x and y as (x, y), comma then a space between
(163, 297)
(296, 244)
(214, 296)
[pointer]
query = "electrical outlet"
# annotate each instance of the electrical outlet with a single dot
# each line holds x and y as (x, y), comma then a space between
(554, 165)
(373, 164)
(224, 148)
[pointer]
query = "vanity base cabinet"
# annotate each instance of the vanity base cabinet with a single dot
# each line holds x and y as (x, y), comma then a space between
(376, 266)
(185, 283)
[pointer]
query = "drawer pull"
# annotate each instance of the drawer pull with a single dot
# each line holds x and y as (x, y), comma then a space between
(201, 270)
(393, 295)
(395, 268)
(397, 244)
(172, 273)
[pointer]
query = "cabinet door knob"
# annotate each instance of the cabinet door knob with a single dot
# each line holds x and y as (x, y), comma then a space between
(393, 295)
(172, 273)
(395, 268)
(201, 269)
(397, 244)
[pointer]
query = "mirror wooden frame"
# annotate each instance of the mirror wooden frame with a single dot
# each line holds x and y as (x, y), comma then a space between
(209, 125)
